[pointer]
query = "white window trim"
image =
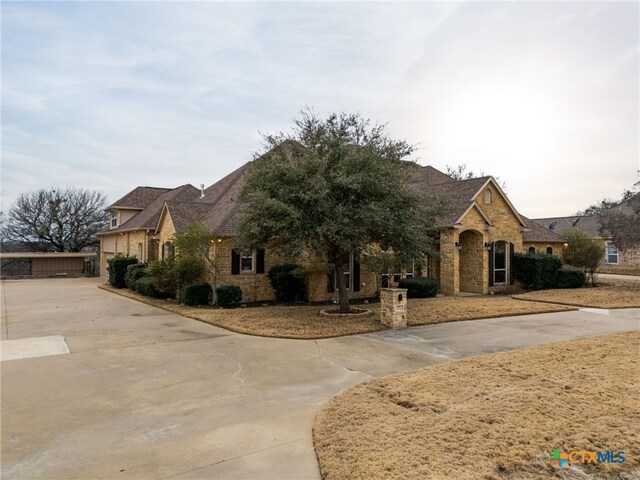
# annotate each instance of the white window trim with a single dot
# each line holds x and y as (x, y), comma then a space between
(617, 254)
(252, 255)
(506, 263)
(114, 217)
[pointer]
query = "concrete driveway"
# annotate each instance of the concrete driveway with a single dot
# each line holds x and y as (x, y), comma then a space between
(145, 393)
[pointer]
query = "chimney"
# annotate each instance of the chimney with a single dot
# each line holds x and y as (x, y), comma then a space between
(202, 190)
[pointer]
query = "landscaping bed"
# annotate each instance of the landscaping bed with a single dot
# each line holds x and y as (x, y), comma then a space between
(491, 417)
(304, 322)
(608, 294)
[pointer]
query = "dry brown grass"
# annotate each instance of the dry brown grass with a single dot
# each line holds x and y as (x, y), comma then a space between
(303, 322)
(608, 294)
(498, 416)
(424, 311)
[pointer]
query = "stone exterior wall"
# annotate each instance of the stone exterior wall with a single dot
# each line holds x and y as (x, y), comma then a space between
(255, 287)
(541, 247)
(393, 307)
(506, 227)
(472, 262)
(165, 233)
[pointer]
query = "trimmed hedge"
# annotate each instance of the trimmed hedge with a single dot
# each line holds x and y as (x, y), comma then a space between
(195, 294)
(229, 296)
(118, 270)
(419, 287)
(288, 285)
(145, 286)
(536, 271)
(570, 277)
(134, 273)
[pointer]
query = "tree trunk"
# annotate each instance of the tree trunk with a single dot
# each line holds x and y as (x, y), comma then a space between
(342, 288)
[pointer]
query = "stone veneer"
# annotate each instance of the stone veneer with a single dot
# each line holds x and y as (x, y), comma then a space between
(505, 226)
(393, 307)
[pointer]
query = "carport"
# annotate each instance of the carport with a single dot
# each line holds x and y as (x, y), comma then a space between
(55, 264)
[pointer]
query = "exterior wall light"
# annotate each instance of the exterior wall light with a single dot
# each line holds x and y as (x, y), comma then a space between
(458, 245)
(487, 245)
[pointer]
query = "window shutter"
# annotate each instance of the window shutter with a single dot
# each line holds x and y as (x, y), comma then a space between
(512, 255)
(260, 260)
(235, 262)
(492, 245)
(356, 272)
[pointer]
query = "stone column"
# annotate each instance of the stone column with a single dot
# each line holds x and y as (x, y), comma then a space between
(393, 307)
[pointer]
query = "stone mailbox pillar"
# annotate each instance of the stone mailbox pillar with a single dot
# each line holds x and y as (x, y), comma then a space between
(393, 307)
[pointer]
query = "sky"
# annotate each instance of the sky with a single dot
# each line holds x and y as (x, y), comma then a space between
(108, 96)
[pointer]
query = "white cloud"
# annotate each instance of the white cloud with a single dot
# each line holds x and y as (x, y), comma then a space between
(111, 95)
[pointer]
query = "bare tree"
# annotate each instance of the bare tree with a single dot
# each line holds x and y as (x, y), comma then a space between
(461, 172)
(51, 220)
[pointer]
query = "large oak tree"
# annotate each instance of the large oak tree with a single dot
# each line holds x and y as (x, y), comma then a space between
(56, 220)
(332, 187)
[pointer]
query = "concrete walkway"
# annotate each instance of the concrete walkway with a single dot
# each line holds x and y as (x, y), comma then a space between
(611, 276)
(145, 393)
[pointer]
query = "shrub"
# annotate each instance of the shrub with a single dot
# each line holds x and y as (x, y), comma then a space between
(134, 273)
(536, 270)
(195, 294)
(570, 277)
(288, 283)
(163, 277)
(118, 270)
(229, 295)
(170, 274)
(188, 269)
(146, 287)
(419, 287)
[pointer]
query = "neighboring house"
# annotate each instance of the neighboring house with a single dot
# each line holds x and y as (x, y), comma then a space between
(478, 238)
(132, 222)
(613, 258)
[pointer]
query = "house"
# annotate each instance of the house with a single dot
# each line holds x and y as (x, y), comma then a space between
(614, 259)
(479, 235)
(132, 222)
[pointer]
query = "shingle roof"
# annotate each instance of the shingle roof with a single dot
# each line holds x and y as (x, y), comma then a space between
(184, 214)
(139, 197)
(148, 218)
(218, 209)
(457, 194)
(539, 233)
(586, 223)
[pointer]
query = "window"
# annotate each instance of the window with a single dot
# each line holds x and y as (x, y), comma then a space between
(140, 252)
(246, 261)
(549, 251)
(612, 253)
(114, 219)
(500, 262)
(397, 277)
(487, 195)
(385, 280)
(167, 251)
(532, 249)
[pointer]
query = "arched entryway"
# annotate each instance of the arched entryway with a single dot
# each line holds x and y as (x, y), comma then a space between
(471, 251)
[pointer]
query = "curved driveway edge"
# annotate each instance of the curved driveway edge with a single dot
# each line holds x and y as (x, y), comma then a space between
(146, 393)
